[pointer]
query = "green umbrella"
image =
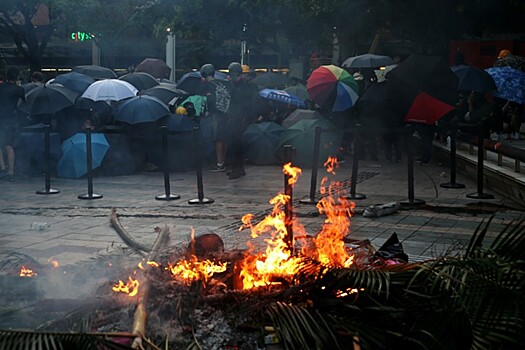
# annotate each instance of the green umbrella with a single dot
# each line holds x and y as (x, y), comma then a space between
(261, 141)
(301, 136)
(198, 101)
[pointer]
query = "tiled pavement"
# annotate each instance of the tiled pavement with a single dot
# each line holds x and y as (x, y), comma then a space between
(80, 229)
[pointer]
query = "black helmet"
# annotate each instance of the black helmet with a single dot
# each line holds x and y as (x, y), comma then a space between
(207, 70)
(235, 68)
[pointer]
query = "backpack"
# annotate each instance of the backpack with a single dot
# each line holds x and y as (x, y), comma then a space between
(222, 97)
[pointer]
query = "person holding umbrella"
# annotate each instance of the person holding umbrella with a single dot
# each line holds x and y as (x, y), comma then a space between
(10, 95)
(244, 95)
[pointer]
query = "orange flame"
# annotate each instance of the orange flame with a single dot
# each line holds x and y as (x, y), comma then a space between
(131, 288)
(53, 262)
(331, 164)
(293, 172)
(27, 272)
(258, 270)
(327, 247)
(194, 269)
(329, 244)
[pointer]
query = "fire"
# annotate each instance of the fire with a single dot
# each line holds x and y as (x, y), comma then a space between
(53, 262)
(331, 164)
(327, 247)
(293, 172)
(277, 260)
(195, 269)
(27, 272)
(329, 244)
(131, 288)
(148, 263)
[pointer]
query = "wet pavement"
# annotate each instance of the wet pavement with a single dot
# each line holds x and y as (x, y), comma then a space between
(72, 230)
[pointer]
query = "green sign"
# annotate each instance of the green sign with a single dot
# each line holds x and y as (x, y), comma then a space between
(80, 36)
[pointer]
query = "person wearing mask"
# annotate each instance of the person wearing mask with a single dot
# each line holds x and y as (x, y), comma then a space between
(240, 115)
(10, 95)
(218, 97)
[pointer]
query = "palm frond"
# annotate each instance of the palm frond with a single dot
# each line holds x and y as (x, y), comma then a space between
(10, 339)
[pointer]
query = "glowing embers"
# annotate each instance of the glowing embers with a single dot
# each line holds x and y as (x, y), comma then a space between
(27, 272)
(131, 288)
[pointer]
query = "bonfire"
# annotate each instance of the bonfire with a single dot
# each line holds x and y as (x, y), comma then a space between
(304, 290)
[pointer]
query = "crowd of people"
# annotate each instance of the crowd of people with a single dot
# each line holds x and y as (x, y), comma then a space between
(234, 103)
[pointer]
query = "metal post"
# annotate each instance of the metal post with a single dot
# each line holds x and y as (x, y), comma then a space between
(355, 167)
(480, 166)
(47, 159)
(315, 164)
(89, 157)
(167, 196)
(453, 148)
(411, 202)
(288, 209)
(200, 190)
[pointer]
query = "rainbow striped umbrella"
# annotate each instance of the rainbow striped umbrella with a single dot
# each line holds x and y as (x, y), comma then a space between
(332, 88)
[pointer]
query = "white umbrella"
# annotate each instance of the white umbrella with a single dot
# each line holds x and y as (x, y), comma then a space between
(110, 90)
(367, 61)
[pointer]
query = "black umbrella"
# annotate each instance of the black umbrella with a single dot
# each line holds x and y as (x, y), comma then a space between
(426, 87)
(48, 100)
(154, 66)
(271, 81)
(141, 109)
(74, 81)
(96, 72)
(140, 80)
(428, 74)
(474, 79)
(30, 86)
(165, 92)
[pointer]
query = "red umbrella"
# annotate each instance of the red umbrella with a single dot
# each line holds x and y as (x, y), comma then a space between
(426, 109)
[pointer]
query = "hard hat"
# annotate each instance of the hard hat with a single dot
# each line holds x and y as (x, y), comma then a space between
(235, 68)
(245, 68)
(504, 53)
(207, 70)
(181, 110)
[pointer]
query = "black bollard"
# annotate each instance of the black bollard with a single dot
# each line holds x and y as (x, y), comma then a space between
(453, 137)
(200, 190)
(411, 202)
(47, 189)
(315, 164)
(89, 157)
(167, 196)
(355, 167)
(480, 166)
(288, 208)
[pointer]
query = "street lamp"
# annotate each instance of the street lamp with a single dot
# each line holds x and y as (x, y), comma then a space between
(171, 53)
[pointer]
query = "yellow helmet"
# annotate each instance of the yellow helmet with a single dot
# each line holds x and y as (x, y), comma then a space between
(181, 110)
(245, 68)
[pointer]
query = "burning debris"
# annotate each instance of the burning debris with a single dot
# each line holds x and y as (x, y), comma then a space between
(301, 291)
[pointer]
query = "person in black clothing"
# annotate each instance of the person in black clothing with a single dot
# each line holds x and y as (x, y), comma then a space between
(218, 97)
(240, 115)
(10, 95)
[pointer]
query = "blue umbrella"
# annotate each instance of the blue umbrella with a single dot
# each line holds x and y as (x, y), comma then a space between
(73, 163)
(283, 97)
(510, 83)
(74, 81)
(262, 141)
(473, 79)
(141, 109)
